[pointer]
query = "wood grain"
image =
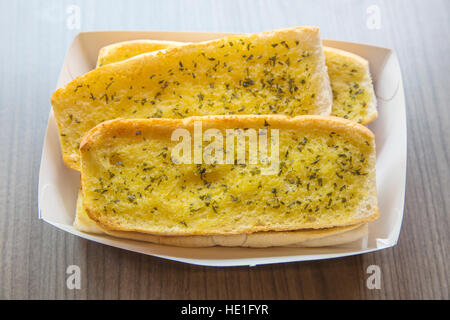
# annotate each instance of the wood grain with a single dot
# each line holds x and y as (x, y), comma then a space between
(34, 255)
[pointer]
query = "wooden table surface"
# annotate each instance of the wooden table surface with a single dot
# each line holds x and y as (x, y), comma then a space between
(34, 37)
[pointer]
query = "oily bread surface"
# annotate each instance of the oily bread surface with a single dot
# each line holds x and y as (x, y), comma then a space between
(281, 71)
(354, 203)
(299, 238)
(350, 79)
(124, 50)
(351, 82)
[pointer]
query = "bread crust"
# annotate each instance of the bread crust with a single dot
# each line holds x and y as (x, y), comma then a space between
(110, 226)
(297, 238)
(116, 51)
(351, 55)
(128, 128)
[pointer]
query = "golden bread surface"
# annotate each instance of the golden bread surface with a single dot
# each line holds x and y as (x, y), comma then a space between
(127, 49)
(298, 238)
(326, 178)
(280, 72)
(353, 93)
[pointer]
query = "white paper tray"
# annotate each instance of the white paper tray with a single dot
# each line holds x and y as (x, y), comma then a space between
(58, 185)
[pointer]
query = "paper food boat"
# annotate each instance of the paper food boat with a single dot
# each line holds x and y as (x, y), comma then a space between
(58, 185)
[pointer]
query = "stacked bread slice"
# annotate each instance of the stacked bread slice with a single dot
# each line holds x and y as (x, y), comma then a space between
(276, 72)
(350, 79)
(116, 124)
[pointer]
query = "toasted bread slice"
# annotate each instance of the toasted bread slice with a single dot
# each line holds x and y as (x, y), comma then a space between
(124, 50)
(280, 71)
(299, 238)
(353, 93)
(325, 177)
